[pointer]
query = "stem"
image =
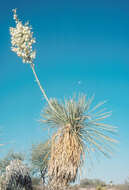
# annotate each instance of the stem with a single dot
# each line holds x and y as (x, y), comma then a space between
(41, 88)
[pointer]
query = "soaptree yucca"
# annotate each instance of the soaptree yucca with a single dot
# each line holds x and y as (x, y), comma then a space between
(80, 130)
(79, 127)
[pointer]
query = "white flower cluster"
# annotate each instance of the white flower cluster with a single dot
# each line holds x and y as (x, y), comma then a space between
(22, 40)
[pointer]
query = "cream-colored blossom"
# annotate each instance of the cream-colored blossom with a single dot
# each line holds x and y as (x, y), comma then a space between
(22, 40)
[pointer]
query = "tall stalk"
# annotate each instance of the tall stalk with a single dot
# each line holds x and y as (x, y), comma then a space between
(22, 40)
(41, 88)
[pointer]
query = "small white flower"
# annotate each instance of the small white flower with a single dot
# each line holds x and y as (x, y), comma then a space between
(22, 40)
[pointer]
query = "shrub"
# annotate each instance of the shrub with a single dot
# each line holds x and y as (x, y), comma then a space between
(17, 176)
(100, 187)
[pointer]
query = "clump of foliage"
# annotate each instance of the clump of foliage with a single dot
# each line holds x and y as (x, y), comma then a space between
(40, 155)
(100, 187)
(89, 183)
(17, 176)
(4, 162)
(3, 182)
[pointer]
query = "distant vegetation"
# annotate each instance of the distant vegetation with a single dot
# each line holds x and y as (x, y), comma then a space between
(36, 171)
(88, 183)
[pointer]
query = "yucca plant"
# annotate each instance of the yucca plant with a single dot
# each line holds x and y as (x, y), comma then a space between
(79, 131)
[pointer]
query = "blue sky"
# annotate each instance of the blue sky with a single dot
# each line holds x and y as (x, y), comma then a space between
(82, 46)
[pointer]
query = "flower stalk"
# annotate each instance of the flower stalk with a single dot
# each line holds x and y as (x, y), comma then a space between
(41, 88)
(22, 41)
